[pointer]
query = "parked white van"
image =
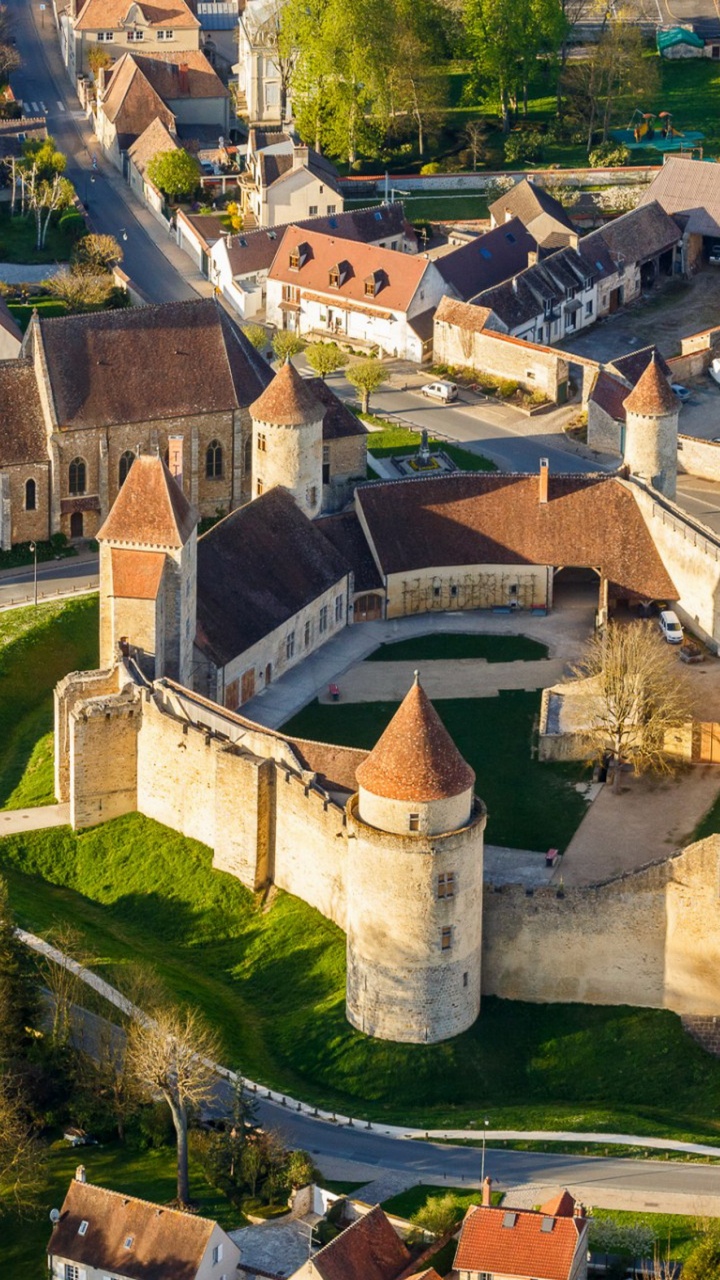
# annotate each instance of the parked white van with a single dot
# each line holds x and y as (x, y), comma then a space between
(446, 391)
(670, 627)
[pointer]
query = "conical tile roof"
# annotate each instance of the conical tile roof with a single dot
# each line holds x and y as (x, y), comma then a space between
(652, 393)
(415, 759)
(288, 400)
(150, 509)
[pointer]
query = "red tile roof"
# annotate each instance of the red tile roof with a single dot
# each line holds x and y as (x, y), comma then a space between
(518, 1243)
(369, 1249)
(100, 15)
(481, 518)
(288, 401)
(400, 273)
(151, 508)
(561, 1206)
(652, 393)
(415, 759)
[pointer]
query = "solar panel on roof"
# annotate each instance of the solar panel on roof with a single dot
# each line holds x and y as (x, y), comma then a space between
(599, 266)
(485, 253)
(333, 222)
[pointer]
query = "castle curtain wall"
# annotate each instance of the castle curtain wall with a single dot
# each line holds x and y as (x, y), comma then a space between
(693, 562)
(469, 587)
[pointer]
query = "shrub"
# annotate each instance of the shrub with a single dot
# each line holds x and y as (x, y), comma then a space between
(609, 154)
(429, 169)
(506, 388)
(521, 147)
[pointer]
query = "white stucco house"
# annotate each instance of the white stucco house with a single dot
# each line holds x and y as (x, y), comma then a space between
(369, 298)
(258, 68)
(285, 181)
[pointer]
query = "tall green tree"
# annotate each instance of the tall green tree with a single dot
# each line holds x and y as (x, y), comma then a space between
(505, 39)
(175, 173)
(19, 1007)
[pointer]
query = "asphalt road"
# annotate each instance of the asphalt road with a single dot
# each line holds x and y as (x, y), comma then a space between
(53, 577)
(44, 87)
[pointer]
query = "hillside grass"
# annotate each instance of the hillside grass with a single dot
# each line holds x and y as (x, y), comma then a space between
(272, 981)
(531, 805)
(151, 1175)
(38, 646)
(436, 648)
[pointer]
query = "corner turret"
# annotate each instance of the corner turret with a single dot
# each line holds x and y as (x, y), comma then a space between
(287, 426)
(651, 430)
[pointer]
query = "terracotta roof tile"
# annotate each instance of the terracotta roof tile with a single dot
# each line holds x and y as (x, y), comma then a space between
(462, 315)
(369, 1249)
(609, 393)
(131, 102)
(288, 401)
(415, 758)
(143, 364)
(99, 15)
(335, 766)
(636, 362)
(136, 575)
(164, 1241)
(339, 422)
(150, 509)
(156, 137)
(561, 1206)
(514, 1243)
(402, 272)
(652, 393)
(22, 426)
(481, 518)
(162, 69)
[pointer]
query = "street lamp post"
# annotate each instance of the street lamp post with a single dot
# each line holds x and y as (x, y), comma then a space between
(482, 1166)
(33, 548)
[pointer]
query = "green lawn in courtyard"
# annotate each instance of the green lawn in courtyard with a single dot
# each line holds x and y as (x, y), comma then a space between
(391, 441)
(530, 805)
(148, 1174)
(38, 646)
(436, 647)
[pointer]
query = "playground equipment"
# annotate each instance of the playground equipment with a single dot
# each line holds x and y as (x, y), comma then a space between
(667, 128)
(641, 125)
(656, 129)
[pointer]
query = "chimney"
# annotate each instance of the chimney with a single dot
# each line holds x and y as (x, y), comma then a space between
(579, 1210)
(175, 458)
(532, 257)
(508, 215)
(543, 485)
(301, 156)
(80, 1173)
(184, 78)
(487, 1192)
(101, 81)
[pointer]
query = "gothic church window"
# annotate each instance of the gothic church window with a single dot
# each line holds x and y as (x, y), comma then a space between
(214, 460)
(126, 461)
(77, 477)
(30, 495)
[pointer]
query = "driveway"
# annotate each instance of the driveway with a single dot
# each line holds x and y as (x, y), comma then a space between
(664, 316)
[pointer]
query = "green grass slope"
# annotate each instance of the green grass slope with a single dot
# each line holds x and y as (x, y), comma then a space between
(272, 979)
(38, 646)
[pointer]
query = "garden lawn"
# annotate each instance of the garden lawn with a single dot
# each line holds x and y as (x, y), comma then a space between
(436, 647)
(271, 979)
(38, 646)
(391, 441)
(675, 1235)
(411, 1201)
(18, 237)
(531, 805)
(150, 1175)
(47, 308)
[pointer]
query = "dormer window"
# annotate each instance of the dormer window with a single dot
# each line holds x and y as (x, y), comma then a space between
(373, 284)
(339, 274)
(334, 277)
(299, 256)
(135, 36)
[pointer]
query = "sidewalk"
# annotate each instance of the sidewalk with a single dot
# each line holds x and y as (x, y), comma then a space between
(15, 821)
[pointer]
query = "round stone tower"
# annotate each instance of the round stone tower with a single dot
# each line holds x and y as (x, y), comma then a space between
(414, 883)
(287, 427)
(651, 430)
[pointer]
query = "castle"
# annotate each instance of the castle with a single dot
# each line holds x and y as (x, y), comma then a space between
(387, 844)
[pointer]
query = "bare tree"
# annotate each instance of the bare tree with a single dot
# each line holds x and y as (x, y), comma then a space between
(47, 197)
(633, 694)
(61, 979)
(21, 1161)
(172, 1054)
(95, 254)
(476, 132)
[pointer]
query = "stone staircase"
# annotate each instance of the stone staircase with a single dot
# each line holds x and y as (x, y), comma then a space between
(706, 1030)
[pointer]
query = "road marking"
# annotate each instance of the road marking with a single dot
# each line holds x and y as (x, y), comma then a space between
(60, 106)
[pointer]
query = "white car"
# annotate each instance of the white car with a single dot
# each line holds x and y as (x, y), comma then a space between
(714, 370)
(670, 627)
(714, 255)
(682, 393)
(446, 391)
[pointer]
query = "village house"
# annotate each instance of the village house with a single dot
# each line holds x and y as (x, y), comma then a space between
(219, 26)
(101, 1233)
(180, 91)
(464, 339)
(369, 1249)
(550, 1243)
(263, 96)
(14, 132)
(689, 191)
(540, 213)
(285, 181)
(157, 137)
(487, 260)
(122, 26)
(239, 264)
(362, 296)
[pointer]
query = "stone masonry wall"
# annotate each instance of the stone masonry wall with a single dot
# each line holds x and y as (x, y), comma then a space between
(103, 758)
(469, 587)
(75, 688)
(534, 367)
(310, 847)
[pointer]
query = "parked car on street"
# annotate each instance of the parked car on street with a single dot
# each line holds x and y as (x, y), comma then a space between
(714, 255)
(446, 391)
(670, 627)
(682, 393)
(714, 370)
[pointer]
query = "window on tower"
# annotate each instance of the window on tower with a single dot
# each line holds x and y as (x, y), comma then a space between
(446, 938)
(262, 442)
(414, 822)
(446, 884)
